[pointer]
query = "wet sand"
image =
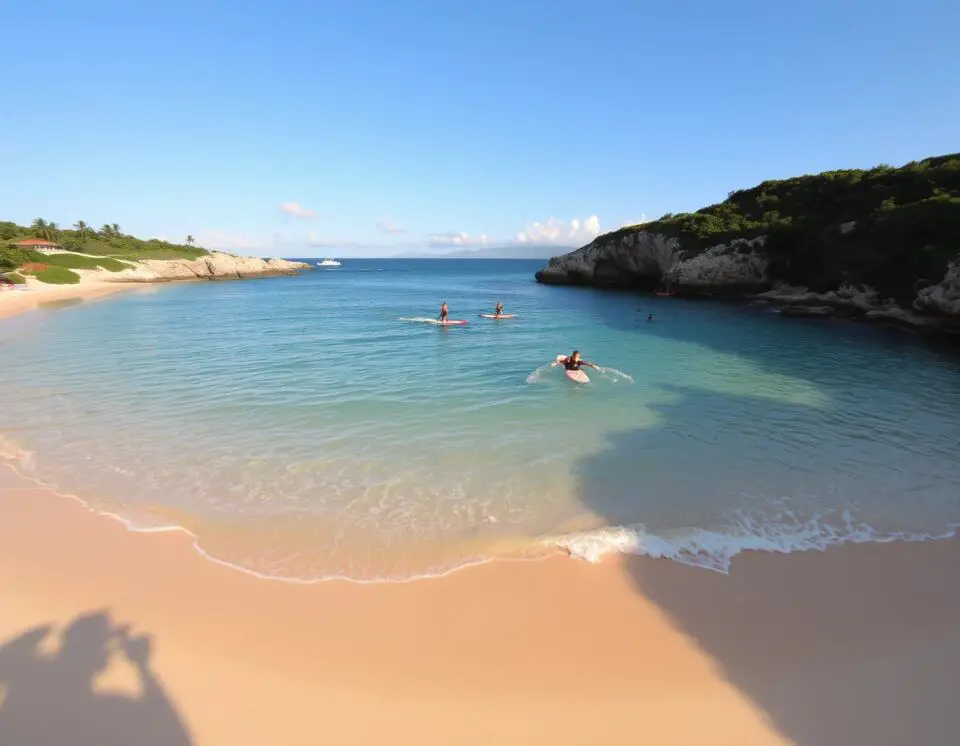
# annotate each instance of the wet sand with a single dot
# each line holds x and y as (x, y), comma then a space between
(855, 645)
(14, 302)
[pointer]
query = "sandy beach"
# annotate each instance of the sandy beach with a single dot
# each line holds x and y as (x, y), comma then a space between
(147, 273)
(112, 637)
(14, 302)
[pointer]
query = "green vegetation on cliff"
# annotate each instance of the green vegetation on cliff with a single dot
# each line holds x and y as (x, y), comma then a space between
(891, 228)
(109, 241)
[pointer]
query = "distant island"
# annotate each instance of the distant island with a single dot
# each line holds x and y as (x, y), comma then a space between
(882, 243)
(525, 251)
(44, 254)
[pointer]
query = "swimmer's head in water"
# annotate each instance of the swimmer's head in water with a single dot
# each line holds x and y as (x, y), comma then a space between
(575, 356)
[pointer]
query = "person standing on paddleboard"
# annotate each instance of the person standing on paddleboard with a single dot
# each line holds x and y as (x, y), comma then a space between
(443, 312)
(573, 361)
(499, 309)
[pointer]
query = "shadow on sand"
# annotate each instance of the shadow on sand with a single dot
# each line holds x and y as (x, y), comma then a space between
(859, 651)
(49, 693)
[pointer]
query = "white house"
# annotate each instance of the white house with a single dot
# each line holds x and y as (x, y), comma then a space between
(41, 245)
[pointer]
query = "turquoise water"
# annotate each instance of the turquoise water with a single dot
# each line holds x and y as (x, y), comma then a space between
(300, 429)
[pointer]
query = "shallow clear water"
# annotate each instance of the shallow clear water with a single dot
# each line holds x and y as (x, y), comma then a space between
(301, 429)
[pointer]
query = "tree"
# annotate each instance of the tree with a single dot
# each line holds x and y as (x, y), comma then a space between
(190, 241)
(8, 230)
(42, 229)
(116, 229)
(82, 229)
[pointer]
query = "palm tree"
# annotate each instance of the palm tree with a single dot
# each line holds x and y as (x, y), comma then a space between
(54, 231)
(190, 241)
(82, 229)
(116, 229)
(106, 230)
(42, 229)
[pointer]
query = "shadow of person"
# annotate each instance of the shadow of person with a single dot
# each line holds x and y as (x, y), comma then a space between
(51, 698)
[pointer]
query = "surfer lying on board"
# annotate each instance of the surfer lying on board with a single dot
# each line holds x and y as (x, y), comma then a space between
(443, 311)
(573, 361)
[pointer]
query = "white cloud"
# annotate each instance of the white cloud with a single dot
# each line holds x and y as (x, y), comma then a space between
(387, 227)
(453, 238)
(627, 223)
(574, 232)
(298, 210)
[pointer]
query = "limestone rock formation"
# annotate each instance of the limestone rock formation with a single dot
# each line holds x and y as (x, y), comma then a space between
(944, 297)
(643, 260)
(214, 266)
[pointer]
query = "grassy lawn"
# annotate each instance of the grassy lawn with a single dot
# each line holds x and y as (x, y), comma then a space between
(134, 249)
(57, 276)
(163, 253)
(74, 261)
(13, 257)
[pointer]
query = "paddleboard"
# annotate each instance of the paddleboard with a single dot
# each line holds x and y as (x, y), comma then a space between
(578, 376)
(437, 322)
(501, 316)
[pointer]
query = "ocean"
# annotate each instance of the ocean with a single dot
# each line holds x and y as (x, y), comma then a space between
(305, 429)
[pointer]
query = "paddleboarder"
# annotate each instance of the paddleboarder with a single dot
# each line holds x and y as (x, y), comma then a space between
(573, 361)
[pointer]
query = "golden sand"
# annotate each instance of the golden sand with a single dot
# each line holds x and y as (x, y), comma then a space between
(113, 637)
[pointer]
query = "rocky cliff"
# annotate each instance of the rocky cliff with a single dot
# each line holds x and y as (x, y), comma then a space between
(878, 243)
(214, 266)
(642, 260)
(944, 297)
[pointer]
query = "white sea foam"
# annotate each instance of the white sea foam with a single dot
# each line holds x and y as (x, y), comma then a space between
(610, 374)
(537, 375)
(615, 375)
(714, 550)
(134, 527)
(706, 549)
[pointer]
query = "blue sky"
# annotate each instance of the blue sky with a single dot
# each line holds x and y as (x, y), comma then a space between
(367, 128)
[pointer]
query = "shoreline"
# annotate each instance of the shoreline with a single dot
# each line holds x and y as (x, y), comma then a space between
(96, 283)
(16, 302)
(567, 546)
(809, 648)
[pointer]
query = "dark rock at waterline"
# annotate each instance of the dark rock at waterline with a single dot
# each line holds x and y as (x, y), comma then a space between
(807, 311)
(634, 259)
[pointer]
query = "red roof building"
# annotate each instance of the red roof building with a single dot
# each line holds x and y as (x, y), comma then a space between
(39, 244)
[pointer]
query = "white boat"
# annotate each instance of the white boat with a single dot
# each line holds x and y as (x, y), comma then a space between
(328, 263)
